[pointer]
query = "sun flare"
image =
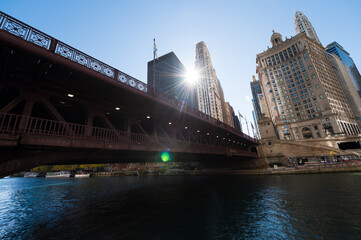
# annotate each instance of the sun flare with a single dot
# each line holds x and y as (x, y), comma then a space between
(192, 76)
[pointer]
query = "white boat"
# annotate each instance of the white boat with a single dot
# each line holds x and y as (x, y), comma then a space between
(62, 174)
(31, 175)
(82, 175)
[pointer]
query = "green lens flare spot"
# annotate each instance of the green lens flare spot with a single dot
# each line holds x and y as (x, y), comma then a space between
(165, 156)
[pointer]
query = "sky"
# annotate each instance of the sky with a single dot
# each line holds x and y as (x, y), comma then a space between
(120, 33)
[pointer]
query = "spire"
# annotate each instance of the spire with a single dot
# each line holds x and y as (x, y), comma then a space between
(303, 25)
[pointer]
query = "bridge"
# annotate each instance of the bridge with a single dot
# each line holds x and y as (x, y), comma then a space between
(59, 105)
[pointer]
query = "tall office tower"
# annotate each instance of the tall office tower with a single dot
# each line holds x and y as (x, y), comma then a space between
(303, 25)
(209, 91)
(236, 123)
(263, 105)
(256, 90)
(301, 90)
(352, 70)
(347, 85)
(223, 101)
(228, 112)
(170, 79)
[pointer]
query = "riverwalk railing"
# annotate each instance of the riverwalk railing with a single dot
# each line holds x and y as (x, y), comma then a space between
(34, 36)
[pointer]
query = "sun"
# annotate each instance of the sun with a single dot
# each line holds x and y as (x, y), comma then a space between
(192, 76)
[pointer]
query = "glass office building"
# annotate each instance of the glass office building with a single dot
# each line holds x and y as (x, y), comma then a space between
(170, 79)
(352, 70)
(256, 90)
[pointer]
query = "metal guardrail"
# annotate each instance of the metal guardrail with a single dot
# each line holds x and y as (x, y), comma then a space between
(16, 124)
(12, 124)
(34, 36)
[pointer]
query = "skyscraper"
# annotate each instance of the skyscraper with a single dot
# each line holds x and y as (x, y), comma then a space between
(256, 90)
(303, 25)
(347, 85)
(170, 79)
(229, 117)
(209, 90)
(301, 90)
(352, 70)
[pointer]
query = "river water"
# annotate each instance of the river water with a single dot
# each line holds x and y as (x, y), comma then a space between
(325, 206)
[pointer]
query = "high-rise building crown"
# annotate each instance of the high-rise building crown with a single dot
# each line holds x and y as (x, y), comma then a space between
(303, 25)
(276, 38)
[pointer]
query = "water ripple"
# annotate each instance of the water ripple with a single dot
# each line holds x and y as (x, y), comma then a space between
(230, 207)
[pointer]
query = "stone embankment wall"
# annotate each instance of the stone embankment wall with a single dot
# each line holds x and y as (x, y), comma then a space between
(273, 150)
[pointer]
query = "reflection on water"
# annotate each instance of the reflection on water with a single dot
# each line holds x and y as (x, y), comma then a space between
(223, 207)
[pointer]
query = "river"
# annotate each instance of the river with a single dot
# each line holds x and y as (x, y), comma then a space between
(319, 206)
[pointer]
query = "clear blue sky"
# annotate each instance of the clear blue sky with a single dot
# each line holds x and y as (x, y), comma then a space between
(121, 33)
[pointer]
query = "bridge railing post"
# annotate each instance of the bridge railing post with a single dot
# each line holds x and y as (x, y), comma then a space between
(53, 44)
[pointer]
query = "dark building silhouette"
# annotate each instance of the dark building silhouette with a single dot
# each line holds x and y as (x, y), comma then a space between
(170, 79)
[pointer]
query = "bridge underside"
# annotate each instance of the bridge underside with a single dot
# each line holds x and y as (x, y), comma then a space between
(27, 157)
(55, 110)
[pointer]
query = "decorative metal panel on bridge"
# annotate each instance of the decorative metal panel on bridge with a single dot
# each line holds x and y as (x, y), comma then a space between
(132, 82)
(68, 52)
(29, 34)
(39, 39)
(15, 28)
(64, 51)
(34, 36)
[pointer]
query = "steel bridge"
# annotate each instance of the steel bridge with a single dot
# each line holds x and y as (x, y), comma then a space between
(59, 105)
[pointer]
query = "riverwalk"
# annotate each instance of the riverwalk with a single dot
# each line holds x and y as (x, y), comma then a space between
(310, 168)
(301, 169)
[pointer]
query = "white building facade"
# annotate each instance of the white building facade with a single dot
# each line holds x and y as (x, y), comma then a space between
(303, 25)
(209, 90)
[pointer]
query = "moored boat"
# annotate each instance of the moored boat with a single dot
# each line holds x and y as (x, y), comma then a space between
(31, 175)
(82, 175)
(62, 174)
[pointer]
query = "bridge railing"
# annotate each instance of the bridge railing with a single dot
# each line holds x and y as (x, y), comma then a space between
(15, 125)
(34, 36)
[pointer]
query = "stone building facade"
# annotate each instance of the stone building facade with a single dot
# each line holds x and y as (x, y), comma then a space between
(301, 91)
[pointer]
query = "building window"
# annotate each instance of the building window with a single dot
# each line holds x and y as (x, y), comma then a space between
(321, 96)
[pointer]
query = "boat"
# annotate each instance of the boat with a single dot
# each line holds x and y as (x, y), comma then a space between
(61, 174)
(31, 175)
(82, 175)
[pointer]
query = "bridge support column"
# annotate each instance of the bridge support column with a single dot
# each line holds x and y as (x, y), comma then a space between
(26, 114)
(89, 123)
(12, 104)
